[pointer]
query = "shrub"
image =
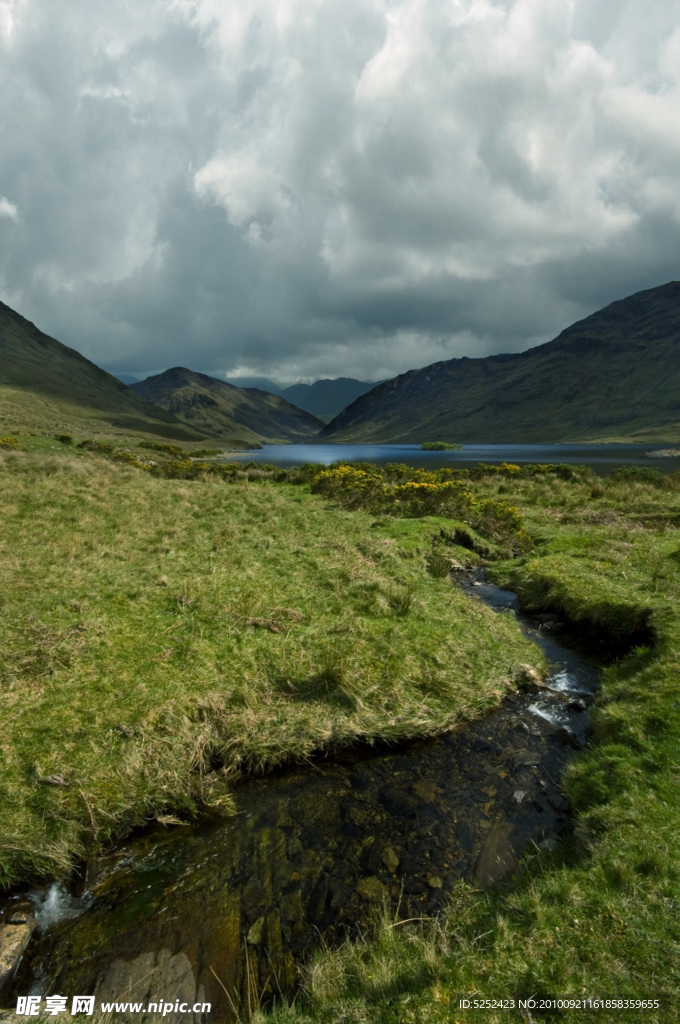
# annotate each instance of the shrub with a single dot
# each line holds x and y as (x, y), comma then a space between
(130, 459)
(638, 474)
(417, 493)
(159, 446)
(439, 446)
(9, 442)
(352, 486)
(95, 446)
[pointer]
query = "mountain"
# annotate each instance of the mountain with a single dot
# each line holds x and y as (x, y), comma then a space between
(47, 387)
(222, 410)
(326, 398)
(614, 375)
(261, 383)
(126, 378)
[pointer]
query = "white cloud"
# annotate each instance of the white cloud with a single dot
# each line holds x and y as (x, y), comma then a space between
(10, 11)
(8, 209)
(468, 122)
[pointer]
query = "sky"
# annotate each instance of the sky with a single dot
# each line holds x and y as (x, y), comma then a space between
(301, 189)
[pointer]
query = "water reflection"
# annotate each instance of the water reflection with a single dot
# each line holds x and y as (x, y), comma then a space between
(602, 457)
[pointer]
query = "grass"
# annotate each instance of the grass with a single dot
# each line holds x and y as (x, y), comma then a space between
(598, 916)
(160, 636)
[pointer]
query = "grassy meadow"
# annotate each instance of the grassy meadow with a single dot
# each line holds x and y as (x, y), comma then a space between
(167, 627)
(598, 916)
(158, 636)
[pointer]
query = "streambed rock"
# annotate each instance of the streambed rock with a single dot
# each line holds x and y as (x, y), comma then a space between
(371, 888)
(16, 928)
(390, 859)
(498, 855)
(148, 975)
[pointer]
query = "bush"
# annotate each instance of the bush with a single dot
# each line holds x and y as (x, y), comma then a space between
(160, 446)
(439, 446)
(417, 493)
(638, 474)
(89, 445)
(352, 486)
(131, 460)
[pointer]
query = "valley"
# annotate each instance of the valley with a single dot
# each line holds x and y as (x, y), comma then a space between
(181, 623)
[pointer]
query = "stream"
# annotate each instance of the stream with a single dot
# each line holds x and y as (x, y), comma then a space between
(224, 912)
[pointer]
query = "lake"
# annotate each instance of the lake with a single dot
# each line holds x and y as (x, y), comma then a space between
(602, 457)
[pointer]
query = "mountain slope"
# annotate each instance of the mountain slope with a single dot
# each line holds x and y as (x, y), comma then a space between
(46, 386)
(613, 375)
(326, 398)
(222, 410)
(259, 383)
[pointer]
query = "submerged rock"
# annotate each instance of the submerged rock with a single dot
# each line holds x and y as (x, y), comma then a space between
(371, 888)
(499, 854)
(390, 859)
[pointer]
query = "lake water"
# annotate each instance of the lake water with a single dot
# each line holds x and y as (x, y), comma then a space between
(602, 457)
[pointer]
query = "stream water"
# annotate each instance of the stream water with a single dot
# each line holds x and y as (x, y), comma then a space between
(225, 912)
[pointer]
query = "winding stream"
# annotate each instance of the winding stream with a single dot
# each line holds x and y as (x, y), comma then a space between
(224, 912)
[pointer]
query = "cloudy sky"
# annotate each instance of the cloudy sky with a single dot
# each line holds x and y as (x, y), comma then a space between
(317, 188)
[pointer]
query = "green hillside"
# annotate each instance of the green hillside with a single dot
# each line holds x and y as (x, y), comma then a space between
(614, 376)
(45, 387)
(221, 410)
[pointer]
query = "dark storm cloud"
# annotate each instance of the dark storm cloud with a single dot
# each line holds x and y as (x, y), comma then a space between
(304, 188)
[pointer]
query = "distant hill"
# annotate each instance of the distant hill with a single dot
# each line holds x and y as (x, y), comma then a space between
(614, 375)
(221, 410)
(126, 378)
(261, 383)
(46, 386)
(326, 398)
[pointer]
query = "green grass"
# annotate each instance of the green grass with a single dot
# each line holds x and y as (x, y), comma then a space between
(598, 916)
(159, 636)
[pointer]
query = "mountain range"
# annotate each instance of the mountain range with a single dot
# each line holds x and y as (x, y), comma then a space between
(324, 398)
(614, 375)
